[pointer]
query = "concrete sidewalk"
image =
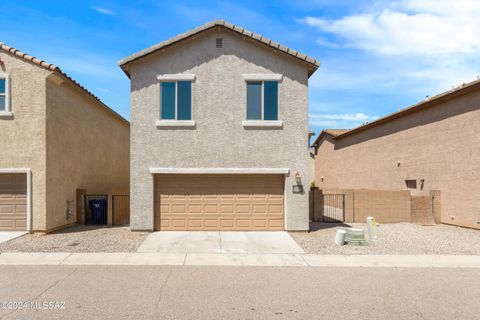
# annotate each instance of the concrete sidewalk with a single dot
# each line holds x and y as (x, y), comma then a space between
(236, 259)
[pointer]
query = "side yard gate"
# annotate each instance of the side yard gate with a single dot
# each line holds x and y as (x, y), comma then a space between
(121, 210)
(96, 208)
(333, 207)
(327, 207)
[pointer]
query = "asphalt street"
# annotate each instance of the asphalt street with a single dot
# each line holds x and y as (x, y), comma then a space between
(186, 292)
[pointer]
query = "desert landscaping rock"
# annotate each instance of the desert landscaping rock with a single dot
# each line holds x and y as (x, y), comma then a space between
(78, 239)
(398, 238)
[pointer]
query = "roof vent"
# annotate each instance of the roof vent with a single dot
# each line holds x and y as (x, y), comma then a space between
(219, 43)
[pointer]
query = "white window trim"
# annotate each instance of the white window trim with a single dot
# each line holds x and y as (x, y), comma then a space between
(175, 123)
(7, 112)
(170, 122)
(246, 121)
(176, 77)
(262, 124)
(262, 77)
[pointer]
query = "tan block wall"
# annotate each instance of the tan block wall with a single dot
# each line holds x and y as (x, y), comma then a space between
(422, 210)
(439, 145)
(384, 206)
(23, 136)
(87, 148)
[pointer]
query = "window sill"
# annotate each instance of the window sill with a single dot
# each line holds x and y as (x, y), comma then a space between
(175, 123)
(6, 114)
(262, 124)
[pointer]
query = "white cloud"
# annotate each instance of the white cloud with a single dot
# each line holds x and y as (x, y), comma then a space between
(409, 47)
(104, 11)
(345, 121)
(410, 27)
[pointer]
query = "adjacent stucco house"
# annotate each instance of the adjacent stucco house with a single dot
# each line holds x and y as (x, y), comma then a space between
(430, 147)
(219, 133)
(55, 138)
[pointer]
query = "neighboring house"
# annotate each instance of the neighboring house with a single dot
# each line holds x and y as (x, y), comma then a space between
(219, 136)
(55, 139)
(433, 146)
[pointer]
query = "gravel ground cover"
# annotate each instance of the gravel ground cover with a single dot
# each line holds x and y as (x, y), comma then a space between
(398, 238)
(78, 238)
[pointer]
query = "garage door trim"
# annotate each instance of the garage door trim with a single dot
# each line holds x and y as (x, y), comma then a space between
(220, 170)
(28, 173)
(272, 221)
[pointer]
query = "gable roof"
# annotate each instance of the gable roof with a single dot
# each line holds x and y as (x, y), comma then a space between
(427, 103)
(332, 132)
(58, 71)
(312, 63)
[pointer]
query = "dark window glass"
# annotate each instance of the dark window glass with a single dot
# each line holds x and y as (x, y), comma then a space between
(2, 86)
(270, 100)
(168, 100)
(254, 101)
(184, 100)
(2, 103)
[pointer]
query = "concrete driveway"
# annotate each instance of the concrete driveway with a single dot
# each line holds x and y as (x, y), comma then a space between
(9, 235)
(251, 242)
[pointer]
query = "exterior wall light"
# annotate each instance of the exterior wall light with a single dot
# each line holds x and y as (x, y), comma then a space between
(298, 187)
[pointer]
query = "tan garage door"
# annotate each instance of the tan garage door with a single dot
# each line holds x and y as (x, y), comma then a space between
(219, 202)
(13, 202)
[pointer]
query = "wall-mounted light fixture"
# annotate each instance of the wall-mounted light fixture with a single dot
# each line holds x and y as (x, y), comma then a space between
(298, 187)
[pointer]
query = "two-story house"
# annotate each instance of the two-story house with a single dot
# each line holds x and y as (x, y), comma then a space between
(219, 132)
(56, 139)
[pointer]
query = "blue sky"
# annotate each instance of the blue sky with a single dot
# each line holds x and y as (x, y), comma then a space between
(377, 56)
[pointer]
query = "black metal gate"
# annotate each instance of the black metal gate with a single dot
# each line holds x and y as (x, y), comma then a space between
(333, 207)
(96, 209)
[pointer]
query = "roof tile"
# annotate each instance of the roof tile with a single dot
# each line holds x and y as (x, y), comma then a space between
(315, 64)
(54, 68)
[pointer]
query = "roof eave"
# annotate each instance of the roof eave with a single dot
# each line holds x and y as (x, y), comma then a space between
(430, 102)
(312, 63)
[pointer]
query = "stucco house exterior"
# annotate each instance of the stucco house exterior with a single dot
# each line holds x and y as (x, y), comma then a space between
(430, 147)
(219, 132)
(55, 138)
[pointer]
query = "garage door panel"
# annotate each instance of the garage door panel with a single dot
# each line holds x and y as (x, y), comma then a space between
(227, 209)
(20, 224)
(219, 202)
(13, 202)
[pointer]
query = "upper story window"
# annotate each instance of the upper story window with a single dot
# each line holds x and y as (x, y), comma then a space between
(4, 94)
(176, 101)
(262, 100)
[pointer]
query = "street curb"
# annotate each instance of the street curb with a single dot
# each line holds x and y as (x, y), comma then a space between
(237, 259)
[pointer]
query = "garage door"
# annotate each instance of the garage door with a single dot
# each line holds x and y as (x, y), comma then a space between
(13, 202)
(219, 202)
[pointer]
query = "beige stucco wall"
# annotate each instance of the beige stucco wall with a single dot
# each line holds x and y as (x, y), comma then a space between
(23, 136)
(439, 144)
(87, 148)
(218, 107)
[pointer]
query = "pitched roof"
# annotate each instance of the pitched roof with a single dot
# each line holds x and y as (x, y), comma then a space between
(332, 132)
(58, 71)
(427, 103)
(313, 64)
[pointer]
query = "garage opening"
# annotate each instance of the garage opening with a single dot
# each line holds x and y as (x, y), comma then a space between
(219, 202)
(13, 202)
